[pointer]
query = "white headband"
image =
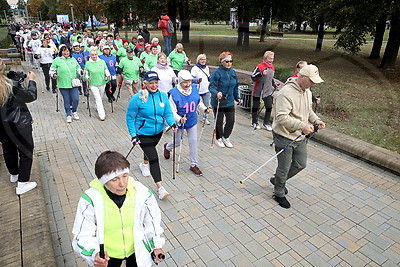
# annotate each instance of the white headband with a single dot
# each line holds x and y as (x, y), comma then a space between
(228, 57)
(111, 175)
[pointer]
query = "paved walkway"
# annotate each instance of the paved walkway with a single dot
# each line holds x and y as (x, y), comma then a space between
(344, 211)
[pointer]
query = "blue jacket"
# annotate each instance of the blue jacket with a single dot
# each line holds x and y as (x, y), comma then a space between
(111, 62)
(148, 118)
(226, 81)
(80, 57)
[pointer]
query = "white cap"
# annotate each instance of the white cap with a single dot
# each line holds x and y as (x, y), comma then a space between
(184, 75)
(75, 44)
(140, 37)
(106, 47)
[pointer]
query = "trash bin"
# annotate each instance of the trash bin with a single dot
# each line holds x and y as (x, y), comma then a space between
(245, 95)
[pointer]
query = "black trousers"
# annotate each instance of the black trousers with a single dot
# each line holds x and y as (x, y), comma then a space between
(268, 107)
(110, 88)
(46, 69)
(148, 145)
(229, 114)
(130, 261)
(18, 150)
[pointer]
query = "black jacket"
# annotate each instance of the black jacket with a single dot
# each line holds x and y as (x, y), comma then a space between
(15, 113)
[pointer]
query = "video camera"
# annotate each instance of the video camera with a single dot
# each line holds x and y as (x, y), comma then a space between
(18, 76)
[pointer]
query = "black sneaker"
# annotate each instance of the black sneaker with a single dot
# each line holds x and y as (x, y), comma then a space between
(272, 181)
(113, 98)
(282, 201)
(54, 91)
(110, 100)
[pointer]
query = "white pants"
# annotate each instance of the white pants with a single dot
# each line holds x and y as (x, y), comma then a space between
(192, 138)
(98, 92)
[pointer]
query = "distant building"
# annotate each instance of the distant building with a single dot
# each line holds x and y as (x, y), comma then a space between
(13, 4)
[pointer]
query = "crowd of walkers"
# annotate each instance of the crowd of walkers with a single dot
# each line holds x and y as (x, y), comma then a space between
(163, 94)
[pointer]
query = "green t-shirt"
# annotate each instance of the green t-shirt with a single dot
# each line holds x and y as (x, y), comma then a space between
(177, 60)
(121, 53)
(130, 68)
(151, 61)
(66, 69)
(118, 43)
(96, 71)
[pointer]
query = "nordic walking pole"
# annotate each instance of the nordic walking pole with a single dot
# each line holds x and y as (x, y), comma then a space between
(121, 78)
(202, 126)
(101, 253)
(280, 151)
(180, 146)
(133, 146)
(88, 103)
(110, 91)
(215, 125)
(173, 155)
(57, 110)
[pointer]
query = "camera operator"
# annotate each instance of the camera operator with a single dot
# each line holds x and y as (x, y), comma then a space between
(16, 126)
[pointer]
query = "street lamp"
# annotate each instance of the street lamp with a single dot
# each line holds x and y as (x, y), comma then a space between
(72, 13)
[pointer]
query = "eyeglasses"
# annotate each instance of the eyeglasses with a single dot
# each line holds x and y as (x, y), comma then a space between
(228, 61)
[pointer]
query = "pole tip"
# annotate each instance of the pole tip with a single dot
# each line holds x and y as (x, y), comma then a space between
(241, 182)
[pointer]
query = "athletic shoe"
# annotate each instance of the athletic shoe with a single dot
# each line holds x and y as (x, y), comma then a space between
(167, 153)
(113, 98)
(256, 126)
(227, 143)
(272, 181)
(14, 178)
(24, 187)
(282, 201)
(69, 119)
(162, 193)
(110, 100)
(48, 88)
(75, 115)
(208, 122)
(54, 91)
(219, 143)
(102, 118)
(267, 127)
(145, 169)
(196, 170)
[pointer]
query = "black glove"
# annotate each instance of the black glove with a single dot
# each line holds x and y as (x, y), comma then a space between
(174, 126)
(135, 140)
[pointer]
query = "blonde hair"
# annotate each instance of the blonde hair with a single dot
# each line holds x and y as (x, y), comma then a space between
(161, 54)
(145, 94)
(5, 85)
(179, 46)
(268, 53)
(201, 56)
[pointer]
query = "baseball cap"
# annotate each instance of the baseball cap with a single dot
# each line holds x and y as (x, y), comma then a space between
(150, 75)
(106, 47)
(82, 44)
(129, 50)
(75, 44)
(140, 37)
(184, 75)
(147, 45)
(311, 71)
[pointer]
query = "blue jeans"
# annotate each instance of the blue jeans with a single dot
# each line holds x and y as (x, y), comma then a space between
(167, 44)
(71, 98)
(206, 98)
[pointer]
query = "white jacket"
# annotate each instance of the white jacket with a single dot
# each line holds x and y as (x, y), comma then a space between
(167, 77)
(88, 227)
(204, 74)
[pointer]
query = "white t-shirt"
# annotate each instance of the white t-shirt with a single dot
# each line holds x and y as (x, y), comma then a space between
(166, 77)
(46, 54)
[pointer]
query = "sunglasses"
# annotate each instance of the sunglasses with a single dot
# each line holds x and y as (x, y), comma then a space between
(228, 61)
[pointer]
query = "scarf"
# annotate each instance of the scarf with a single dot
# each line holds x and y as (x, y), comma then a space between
(162, 67)
(201, 66)
(269, 66)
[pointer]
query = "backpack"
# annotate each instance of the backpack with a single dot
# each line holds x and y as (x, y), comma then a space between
(170, 27)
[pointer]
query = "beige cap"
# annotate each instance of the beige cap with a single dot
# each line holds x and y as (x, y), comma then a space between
(311, 71)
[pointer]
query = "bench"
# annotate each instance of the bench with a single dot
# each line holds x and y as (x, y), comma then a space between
(276, 34)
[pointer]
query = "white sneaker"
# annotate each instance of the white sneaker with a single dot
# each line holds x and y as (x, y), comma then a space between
(256, 126)
(227, 142)
(24, 187)
(208, 122)
(14, 178)
(69, 119)
(102, 118)
(267, 127)
(219, 143)
(162, 193)
(75, 115)
(145, 169)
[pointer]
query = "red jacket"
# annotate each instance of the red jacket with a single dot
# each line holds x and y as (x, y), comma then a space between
(163, 25)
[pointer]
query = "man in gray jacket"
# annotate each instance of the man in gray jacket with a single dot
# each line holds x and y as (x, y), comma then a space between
(294, 119)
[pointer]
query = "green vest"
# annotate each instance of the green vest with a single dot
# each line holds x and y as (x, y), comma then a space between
(118, 223)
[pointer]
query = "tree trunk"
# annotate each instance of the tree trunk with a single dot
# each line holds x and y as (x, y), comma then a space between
(378, 37)
(298, 24)
(172, 6)
(393, 44)
(264, 25)
(246, 33)
(240, 33)
(321, 33)
(185, 21)
(91, 21)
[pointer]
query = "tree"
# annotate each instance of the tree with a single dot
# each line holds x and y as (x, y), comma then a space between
(378, 36)
(393, 44)
(183, 6)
